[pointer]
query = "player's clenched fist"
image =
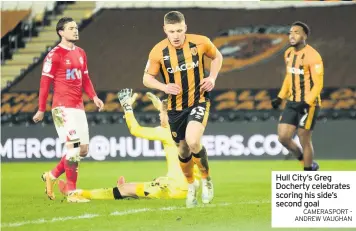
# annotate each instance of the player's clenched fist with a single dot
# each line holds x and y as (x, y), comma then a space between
(38, 116)
(172, 89)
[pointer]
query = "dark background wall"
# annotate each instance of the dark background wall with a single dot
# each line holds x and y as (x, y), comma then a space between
(117, 43)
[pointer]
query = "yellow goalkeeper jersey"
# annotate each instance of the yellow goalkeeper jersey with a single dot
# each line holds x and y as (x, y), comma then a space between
(170, 149)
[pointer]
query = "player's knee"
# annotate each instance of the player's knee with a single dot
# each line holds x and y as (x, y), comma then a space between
(73, 150)
(304, 137)
(194, 145)
(84, 150)
(284, 140)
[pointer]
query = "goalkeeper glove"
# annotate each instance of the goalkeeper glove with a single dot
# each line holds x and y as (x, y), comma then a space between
(125, 99)
(155, 100)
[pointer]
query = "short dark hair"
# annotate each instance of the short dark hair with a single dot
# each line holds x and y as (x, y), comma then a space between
(304, 26)
(173, 17)
(61, 23)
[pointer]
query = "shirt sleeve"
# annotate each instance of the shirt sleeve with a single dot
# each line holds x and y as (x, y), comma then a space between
(153, 64)
(87, 84)
(43, 94)
(209, 48)
(284, 92)
(51, 64)
(49, 70)
(316, 68)
(150, 133)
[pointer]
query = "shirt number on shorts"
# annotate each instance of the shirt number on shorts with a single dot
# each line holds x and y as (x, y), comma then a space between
(304, 117)
(198, 112)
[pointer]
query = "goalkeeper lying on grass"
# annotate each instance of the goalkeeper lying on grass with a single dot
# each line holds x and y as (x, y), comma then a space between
(171, 186)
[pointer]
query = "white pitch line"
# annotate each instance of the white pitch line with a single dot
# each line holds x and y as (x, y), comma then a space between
(131, 211)
(55, 219)
(121, 213)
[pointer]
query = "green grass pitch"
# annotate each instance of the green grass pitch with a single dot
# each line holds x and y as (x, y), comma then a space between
(242, 198)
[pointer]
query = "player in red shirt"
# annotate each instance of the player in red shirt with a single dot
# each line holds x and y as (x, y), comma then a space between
(65, 67)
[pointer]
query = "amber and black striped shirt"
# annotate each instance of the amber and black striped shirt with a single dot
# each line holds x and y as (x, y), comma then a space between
(183, 66)
(304, 76)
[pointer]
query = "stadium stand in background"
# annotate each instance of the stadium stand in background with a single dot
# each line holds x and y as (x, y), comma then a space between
(28, 33)
(117, 37)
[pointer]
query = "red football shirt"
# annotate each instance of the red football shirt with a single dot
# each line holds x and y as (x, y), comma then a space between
(67, 70)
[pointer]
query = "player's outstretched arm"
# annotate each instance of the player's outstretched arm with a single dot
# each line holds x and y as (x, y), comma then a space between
(157, 103)
(135, 128)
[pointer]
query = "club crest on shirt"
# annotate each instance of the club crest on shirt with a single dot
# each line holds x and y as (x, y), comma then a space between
(194, 51)
(47, 65)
